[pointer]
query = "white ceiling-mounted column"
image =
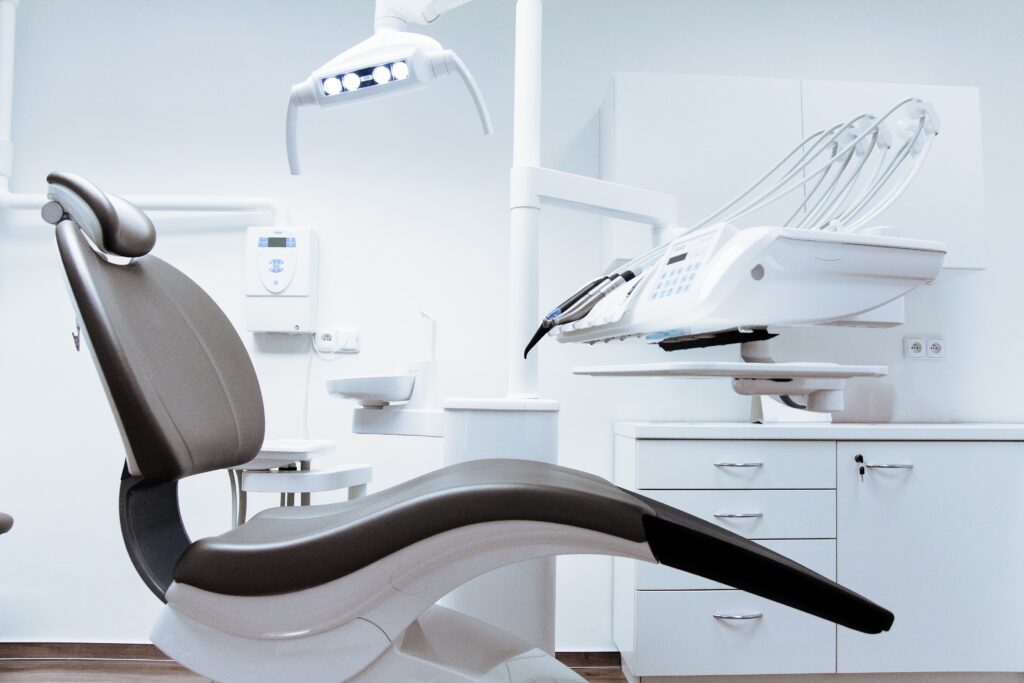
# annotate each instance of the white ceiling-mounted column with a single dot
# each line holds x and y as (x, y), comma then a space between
(524, 248)
(519, 599)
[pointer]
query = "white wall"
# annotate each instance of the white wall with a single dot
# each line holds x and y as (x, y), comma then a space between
(158, 97)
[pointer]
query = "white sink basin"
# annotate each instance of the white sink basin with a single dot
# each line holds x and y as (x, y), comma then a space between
(373, 392)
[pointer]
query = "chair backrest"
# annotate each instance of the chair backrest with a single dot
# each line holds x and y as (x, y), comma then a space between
(179, 379)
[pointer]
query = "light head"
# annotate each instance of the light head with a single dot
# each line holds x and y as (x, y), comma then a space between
(388, 63)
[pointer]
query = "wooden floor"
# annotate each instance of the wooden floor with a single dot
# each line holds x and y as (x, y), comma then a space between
(74, 662)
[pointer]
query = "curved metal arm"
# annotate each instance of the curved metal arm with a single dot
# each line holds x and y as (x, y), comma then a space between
(291, 126)
(453, 63)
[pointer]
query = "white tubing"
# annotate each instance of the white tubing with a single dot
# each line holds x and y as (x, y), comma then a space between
(832, 136)
(8, 15)
(523, 374)
(896, 191)
(168, 204)
(211, 204)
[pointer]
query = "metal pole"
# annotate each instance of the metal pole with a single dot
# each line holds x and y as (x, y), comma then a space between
(523, 380)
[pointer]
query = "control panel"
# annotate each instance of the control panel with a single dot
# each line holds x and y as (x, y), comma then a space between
(686, 258)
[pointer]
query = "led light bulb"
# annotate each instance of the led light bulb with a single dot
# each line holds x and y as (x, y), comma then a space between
(381, 74)
(332, 86)
(350, 81)
(400, 71)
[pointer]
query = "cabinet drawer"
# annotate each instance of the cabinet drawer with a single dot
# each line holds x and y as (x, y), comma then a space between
(678, 635)
(817, 555)
(760, 514)
(664, 464)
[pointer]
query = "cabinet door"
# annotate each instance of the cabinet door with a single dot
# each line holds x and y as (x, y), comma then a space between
(940, 545)
(727, 632)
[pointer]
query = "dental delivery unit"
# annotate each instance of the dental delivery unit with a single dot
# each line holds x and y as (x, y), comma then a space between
(716, 283)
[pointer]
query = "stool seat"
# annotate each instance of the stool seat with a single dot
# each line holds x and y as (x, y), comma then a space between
(314, 480)
(285, 467)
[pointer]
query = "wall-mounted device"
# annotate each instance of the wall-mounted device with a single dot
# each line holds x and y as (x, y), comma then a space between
(281, 280)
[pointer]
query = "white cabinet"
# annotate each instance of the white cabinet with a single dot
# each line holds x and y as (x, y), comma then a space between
(932, 536)
(778, 493)
(940, 545)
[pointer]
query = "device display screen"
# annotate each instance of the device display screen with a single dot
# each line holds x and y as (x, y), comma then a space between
(679, 257)
(277, 241)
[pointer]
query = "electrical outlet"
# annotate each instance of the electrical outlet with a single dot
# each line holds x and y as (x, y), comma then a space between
(935, 348)
(325, 341)
(914, 348)
(336, 340)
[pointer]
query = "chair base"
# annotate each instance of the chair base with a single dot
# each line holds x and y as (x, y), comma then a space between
(442, 646)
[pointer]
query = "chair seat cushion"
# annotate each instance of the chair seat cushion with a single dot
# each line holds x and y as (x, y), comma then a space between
(289, 549)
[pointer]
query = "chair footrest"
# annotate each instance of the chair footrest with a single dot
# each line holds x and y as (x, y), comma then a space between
(308, 481)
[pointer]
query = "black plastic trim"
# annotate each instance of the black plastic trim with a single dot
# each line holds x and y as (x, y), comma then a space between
(700, 341)
(680, 540)
(153, 531)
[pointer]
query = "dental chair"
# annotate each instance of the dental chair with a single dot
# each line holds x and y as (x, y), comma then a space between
(343, 591)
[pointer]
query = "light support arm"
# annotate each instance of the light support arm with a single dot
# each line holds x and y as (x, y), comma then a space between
(394, 14)
(532, 185)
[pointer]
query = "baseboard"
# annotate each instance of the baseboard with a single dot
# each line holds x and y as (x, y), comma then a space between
(147, 651)
(590, 660)
(126, 651)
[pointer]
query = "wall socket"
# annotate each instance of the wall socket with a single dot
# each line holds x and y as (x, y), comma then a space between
(935, 348)
(336, 340)
(928, 348)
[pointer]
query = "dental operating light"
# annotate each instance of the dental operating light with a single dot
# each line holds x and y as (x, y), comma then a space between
(390, 62)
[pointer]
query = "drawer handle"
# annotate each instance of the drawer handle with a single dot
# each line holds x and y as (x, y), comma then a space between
(891, 466)
(738, 617)
(738, 515)
(739, 464)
